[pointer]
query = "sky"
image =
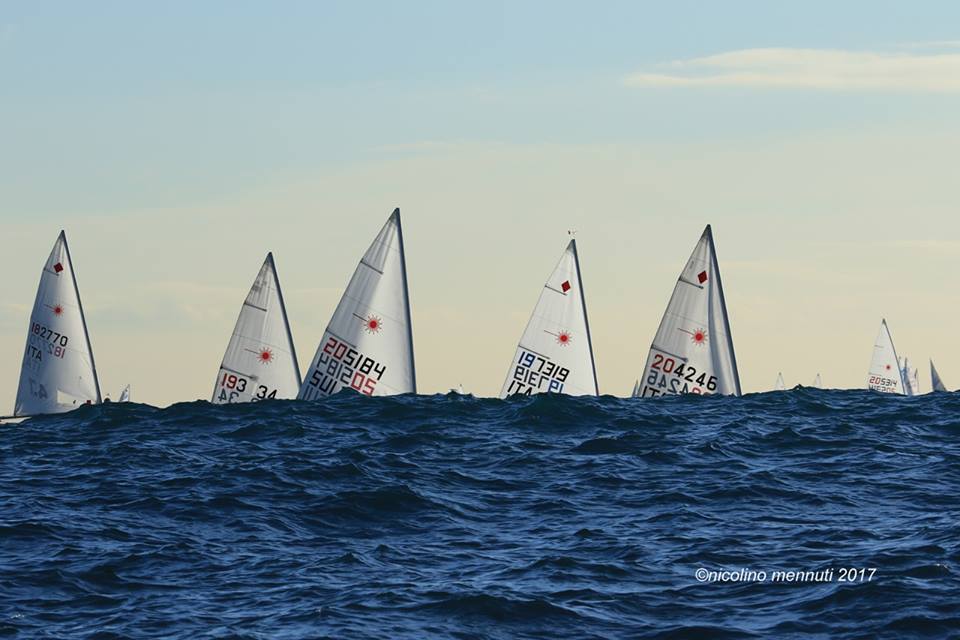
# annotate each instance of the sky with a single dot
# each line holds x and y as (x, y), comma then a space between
(178, 142)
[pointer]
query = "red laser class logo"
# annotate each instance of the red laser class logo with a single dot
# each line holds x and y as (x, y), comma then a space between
(564, 338)
(698, 337)
(58, 309)
(373, 324)
(266, 356)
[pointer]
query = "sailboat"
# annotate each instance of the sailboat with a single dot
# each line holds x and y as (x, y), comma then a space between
(885, 374)
(935, 382)
(911, 377)
(818, 382)
(636, 389)
(368, 344)
(779, 385)
(58, 372)
(260, 362)
(692, 351)
(555, 353)
(125, 394)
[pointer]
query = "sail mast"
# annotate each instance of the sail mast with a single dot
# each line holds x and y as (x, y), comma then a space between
(83, 317)
(406, 297)
(586, 321)
(723, 306)
(286, 321)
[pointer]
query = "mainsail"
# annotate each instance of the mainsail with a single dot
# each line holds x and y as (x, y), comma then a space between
(368, 345)
(779, 386)
(58, 372)
(260, 362)
(692, 351)
(125, 394)
(636, 389)
(885, 374)
(935, 382)
(555, 353)
(818, 382)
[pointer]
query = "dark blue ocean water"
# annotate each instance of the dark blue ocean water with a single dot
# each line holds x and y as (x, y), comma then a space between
(453, 517)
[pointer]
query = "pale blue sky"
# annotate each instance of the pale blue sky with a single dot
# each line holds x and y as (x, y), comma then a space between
(177, 142)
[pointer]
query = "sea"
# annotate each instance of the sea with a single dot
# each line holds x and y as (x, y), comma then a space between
(798, 514)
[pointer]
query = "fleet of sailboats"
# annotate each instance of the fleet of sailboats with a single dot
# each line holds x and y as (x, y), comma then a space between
(555, 353)
(368, 344)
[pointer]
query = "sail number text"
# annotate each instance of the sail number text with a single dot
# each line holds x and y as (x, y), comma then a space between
(232, 386)
(533, 374)
(667, 376)
(884, 385)
(45, 340)
(341, 366)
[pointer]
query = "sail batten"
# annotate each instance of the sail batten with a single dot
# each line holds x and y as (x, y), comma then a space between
(368, 343)
(260, 362)
(58, 372)
(692, 351)
(555, 352)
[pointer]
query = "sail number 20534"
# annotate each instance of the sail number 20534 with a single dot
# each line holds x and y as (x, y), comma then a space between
(669, 376)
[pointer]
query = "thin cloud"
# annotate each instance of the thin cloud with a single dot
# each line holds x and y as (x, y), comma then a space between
(825, 69)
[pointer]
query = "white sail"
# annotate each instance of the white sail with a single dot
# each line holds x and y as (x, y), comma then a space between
(911, 377)
(260, 362)
(692, 351)
(818, 382)
(779, 386)
(884, 374)
(636, 389)
(125, 394)
(935, 382)
(58, 372)
(368, 345)
(555, 353)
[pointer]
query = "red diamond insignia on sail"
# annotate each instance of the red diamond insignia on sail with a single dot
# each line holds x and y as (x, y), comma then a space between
(702, 277)
(58, 267)
(565, 286)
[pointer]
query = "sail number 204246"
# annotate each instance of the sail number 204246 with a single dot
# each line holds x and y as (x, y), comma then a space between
(669, 376)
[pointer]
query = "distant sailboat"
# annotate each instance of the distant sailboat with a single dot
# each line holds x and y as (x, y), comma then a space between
(935, 382)
(817, 382)
(911, 377)
(260, 362)
(555, 353)
(58, 372)
(368, 345)
(458, 390)
(884, 374)
(779, 385)
(125, 394)
(692, 351)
